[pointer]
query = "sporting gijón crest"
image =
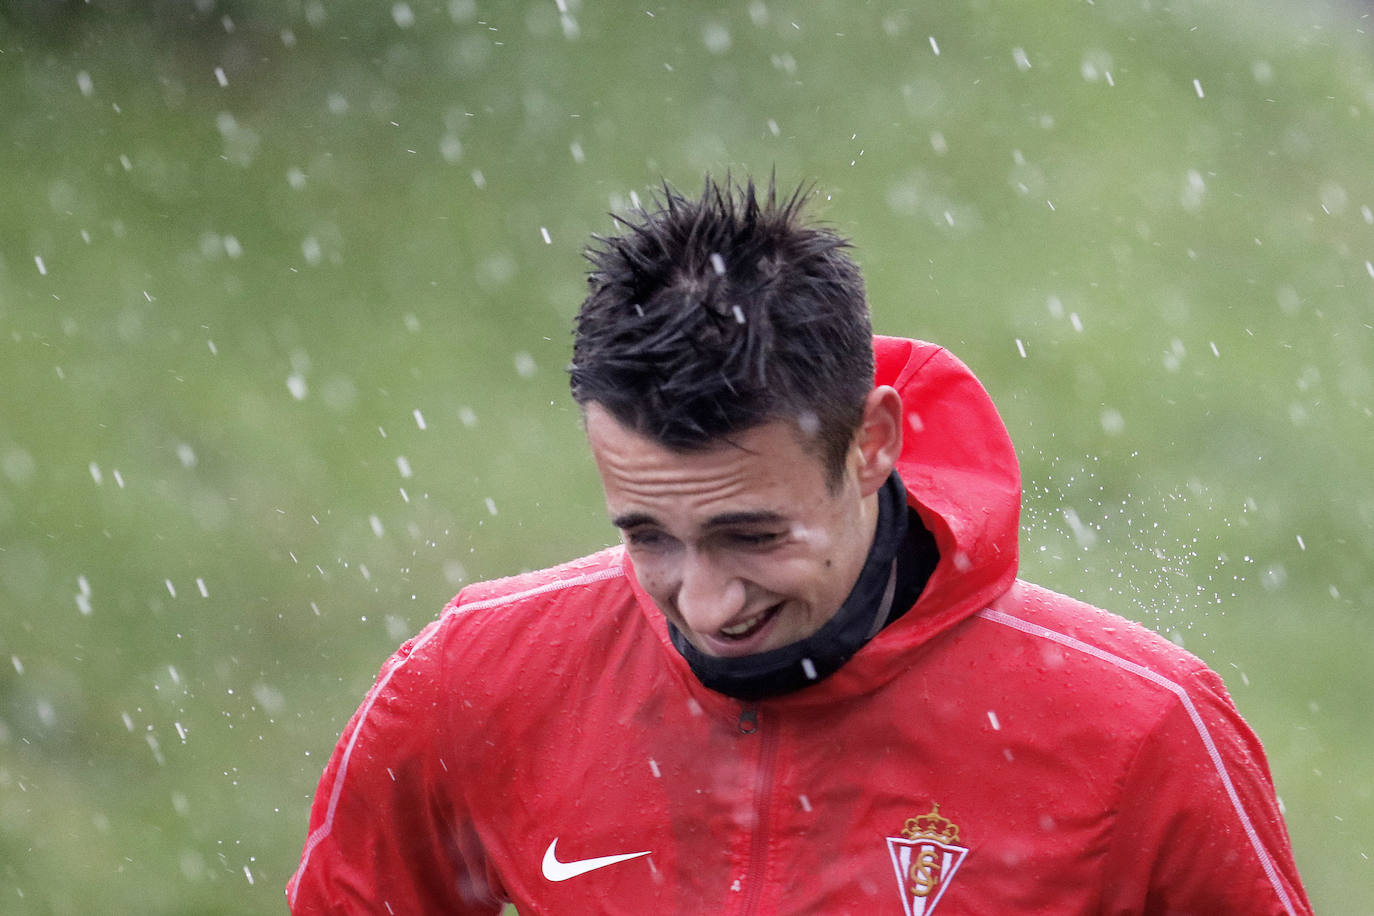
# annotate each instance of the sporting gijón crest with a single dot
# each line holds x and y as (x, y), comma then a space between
(925, 858)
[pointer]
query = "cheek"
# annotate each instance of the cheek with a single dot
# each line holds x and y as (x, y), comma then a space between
(804, 578)
(655, 575)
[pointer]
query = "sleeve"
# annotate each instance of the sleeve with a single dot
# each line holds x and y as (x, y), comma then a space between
(1198, 828)
(388, 831)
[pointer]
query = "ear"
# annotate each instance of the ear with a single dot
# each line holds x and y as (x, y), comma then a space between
(879, 439)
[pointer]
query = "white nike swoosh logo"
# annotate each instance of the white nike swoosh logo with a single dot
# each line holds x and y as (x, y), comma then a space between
(555, 870)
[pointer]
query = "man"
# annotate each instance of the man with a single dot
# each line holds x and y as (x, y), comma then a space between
(809, 681)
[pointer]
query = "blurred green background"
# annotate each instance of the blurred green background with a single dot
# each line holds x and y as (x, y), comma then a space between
(285, 291)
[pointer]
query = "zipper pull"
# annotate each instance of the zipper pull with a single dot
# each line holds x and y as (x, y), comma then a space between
(748, 720)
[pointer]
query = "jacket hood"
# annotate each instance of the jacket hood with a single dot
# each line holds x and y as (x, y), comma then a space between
(963, 480)
(961, 476)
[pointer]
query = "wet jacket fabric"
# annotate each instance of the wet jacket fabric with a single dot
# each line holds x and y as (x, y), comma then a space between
(999, 749)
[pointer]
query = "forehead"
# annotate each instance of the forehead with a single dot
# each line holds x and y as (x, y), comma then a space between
(759, 465)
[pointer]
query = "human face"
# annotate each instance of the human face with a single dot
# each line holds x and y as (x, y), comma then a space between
(746, 546)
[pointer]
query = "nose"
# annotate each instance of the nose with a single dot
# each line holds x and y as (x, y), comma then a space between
(708, 596)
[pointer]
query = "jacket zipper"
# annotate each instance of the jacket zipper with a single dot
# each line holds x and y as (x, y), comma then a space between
(763, 793)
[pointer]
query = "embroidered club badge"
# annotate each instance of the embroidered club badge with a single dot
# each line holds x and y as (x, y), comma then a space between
(925, 858)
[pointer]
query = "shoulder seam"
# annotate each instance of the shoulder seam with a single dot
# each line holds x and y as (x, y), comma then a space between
(1179, 691)
(557, 585)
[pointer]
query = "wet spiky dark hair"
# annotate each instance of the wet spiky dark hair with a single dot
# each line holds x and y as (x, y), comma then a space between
(708, 317)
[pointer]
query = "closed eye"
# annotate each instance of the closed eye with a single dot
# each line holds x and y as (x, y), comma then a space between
(645, 537)
(755, 538)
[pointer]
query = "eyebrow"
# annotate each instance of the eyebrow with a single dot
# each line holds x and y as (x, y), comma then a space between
(724, 520)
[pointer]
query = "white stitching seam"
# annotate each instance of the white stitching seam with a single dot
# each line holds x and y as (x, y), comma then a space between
(320, 834)
(1177, 690)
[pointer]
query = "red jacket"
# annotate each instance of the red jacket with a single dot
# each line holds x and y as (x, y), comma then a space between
(999, 749)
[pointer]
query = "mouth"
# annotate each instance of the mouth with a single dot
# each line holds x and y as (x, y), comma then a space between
(742, 631)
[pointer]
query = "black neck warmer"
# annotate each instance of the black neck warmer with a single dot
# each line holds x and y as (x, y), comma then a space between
(900, 561)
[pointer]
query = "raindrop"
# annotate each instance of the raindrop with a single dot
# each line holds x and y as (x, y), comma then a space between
(992, 718)
(718, 264)
(295, 178)
(296, 385)
(1095, 65)
(565, 18)
(204, 592)
(404, 17)
(1022, 61)
(220, 77)
(1197, 87)
(376, 524)
(490, 504)
(1191, 198)
(1020, 348)
(545, 234)
(716, 37)
(83, 82)
(186, 455)
(653, 767)
(42, 268)
(934, 47)
(1084, 535)
(524, 364)
(171, 589)
(403, 465)
(805, 802)
(18, 465)
(419, 418)
(577, 154)
(451, 148)
(809, 668)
